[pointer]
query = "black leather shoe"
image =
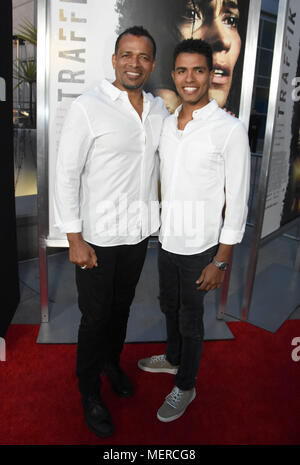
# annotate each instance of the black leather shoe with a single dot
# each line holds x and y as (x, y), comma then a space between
(119, 381)
(97, 416)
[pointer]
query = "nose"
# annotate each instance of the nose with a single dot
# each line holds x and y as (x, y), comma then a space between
(134, 61)
(218, 36)
(189, 77)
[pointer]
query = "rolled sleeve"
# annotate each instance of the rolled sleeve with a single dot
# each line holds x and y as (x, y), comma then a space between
(230, 237)
(237, 180)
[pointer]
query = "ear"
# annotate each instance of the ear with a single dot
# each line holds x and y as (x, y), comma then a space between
(173, 75)
(153, 65)
(113, 60)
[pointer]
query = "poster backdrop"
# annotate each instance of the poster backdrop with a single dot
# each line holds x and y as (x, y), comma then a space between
(283, 194)
(82, 37)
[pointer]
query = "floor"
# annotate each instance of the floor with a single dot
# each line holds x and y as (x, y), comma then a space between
(276, 295)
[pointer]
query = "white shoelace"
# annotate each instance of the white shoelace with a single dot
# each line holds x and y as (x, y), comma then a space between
(158, 358)
(174, 397)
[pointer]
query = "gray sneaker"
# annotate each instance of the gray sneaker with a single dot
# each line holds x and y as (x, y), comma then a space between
(175, 404)
(157, 364)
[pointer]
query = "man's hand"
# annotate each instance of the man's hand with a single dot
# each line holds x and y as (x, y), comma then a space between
(211, 278)
(229, 112)
(81, 253)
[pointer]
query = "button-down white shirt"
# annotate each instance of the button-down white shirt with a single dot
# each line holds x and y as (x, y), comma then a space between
(107, 167)
(201, 168)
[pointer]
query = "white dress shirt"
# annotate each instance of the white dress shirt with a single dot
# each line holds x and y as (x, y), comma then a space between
(107, 167)
(201, 168)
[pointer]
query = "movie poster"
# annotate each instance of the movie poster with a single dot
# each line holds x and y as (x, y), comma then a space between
(82, 37)
(283, 194)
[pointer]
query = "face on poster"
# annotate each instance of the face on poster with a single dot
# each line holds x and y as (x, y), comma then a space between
(83, 33)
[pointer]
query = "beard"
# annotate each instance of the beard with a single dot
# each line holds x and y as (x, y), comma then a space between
(132, 86)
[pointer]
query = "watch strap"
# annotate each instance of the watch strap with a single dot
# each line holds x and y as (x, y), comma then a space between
(221, 265)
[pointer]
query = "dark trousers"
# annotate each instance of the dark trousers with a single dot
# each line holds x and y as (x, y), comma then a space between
(105, 294)
(182, 305)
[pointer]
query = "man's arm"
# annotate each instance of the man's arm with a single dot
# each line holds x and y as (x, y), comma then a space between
(237, 179)
(212, 277)
(75, 142)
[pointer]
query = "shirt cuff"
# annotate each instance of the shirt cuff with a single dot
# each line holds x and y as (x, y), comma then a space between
(230, 237)
(70, 227)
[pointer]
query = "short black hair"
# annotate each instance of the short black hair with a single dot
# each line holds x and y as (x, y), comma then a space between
(194, 46)
(138, 31)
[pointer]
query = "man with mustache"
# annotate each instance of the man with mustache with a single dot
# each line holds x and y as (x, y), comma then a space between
(204, 164)
(106, 173)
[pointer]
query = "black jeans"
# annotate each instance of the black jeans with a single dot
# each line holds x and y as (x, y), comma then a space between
(182, 305)
(105, 294)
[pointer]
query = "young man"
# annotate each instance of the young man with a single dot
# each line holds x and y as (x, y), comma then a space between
(204, 167)
(106, 173)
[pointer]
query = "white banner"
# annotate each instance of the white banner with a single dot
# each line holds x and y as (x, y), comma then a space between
(281, 166)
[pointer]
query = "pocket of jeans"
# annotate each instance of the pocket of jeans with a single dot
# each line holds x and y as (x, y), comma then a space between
(195, 263)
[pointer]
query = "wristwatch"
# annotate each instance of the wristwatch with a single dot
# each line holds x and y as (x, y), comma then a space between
(221, 265)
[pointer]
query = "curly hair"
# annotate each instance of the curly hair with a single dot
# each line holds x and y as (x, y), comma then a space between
(194, 46)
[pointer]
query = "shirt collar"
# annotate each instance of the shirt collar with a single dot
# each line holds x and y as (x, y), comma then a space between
(110, 89)
(114, 92)
(201, 113)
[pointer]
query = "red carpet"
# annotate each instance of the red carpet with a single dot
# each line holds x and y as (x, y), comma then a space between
(247, 393)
